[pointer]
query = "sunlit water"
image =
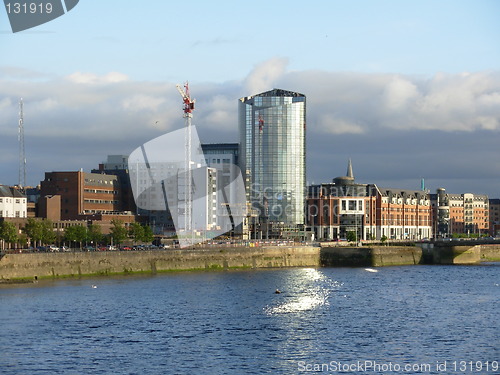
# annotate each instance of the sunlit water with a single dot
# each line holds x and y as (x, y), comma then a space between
(234, 323)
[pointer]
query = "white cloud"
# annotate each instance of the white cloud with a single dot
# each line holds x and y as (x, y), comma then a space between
(141, 102)
(89, 78)
(399, 94)
(328, 123)
(264, 75)
(96, 115)
(5, 103)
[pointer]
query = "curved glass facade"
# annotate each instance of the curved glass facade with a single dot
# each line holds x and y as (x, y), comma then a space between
(272, 155)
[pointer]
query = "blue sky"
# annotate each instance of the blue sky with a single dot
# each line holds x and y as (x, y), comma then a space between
(218, 41)
(385, 81)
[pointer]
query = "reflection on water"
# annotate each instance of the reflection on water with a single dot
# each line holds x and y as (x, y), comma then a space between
(301, 303)
(233, 323)
(308, 290)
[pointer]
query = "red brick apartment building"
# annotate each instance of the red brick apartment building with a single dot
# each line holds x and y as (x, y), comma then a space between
(462, 214)
(334, 209)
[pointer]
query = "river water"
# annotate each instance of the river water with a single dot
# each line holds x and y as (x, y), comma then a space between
(416, 319)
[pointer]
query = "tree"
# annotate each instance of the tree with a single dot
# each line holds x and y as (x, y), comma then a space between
(22, 239)
(351, 236)
(136, 231)
(148, 234)
(8, 232)
(39, 231)
(95, 233)
(48, 235)
(76, 233)
(33, 230)
(118, 231)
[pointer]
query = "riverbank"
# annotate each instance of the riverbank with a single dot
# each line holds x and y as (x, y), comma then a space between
(28, 267)
(78, 264)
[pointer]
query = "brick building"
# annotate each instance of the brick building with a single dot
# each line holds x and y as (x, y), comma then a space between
(81, 194)
(371, 212)
(460, 214)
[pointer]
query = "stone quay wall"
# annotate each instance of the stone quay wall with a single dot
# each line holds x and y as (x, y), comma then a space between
(77, 264)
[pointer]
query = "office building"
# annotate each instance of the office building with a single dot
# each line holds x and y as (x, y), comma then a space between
(224, 158)
(494, 217)
(82, 193)
(272, 128)
(118, 165)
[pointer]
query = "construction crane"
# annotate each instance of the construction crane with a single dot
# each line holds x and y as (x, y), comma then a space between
(188, 193)
(261, 123)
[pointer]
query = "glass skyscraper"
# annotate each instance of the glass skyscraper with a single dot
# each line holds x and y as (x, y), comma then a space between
(272, 129)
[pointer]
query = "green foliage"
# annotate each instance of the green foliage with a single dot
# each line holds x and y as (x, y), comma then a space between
(141, 233)
(118, 231)
(136, 231)
(48, 234)
(148, 234)
(8, 232)
(33, 230)
(465, 235)
(40, 231)
(351, 236)
(94, 233)
(383, 239)
(76, 233)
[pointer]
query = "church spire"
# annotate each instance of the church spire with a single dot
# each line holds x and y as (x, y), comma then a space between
(349, 169)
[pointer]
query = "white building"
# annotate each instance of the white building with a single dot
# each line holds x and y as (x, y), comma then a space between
(224, 158)
(12, 202)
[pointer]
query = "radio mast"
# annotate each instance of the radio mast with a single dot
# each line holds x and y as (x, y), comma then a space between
(22, 155)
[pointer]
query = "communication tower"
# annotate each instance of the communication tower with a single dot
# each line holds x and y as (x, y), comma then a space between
(22, 155)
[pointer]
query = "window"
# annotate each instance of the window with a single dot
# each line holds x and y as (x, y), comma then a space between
(18, 201)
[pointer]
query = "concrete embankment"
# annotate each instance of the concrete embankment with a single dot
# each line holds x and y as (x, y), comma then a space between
(441, 253)
(52, 265)
(371, 256)
(48, 265)
(457, 253)
(490, 253)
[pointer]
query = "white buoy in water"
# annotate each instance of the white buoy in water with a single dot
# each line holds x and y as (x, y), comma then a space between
(370, 270)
